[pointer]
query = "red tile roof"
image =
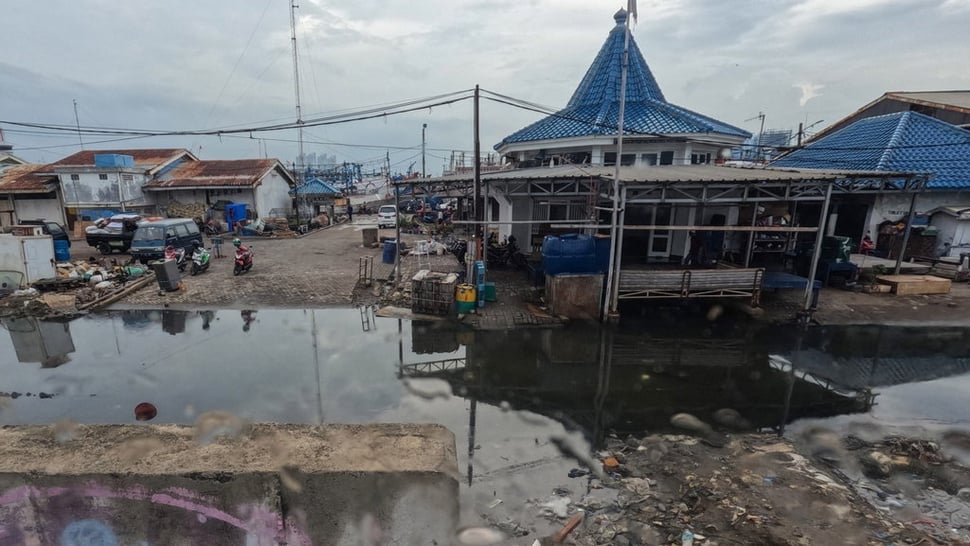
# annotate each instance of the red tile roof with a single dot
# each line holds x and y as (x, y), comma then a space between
(148, 159)
(24, 179)
(237, 173)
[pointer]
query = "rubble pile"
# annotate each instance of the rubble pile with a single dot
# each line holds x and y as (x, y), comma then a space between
(88, 281)
(186, 210)
(280, 227)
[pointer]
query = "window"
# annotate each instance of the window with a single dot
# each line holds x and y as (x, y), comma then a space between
(609, 158)
(182, 230)
(127, 178)
(102, 177)
(700, 159)
(648, 159)
(666, 158)
(75, 177)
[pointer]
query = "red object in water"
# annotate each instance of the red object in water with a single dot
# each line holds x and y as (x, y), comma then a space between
(145, 411)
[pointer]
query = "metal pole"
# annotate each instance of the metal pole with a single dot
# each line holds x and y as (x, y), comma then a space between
(423, 172)
(479, 208)
(750, 247)
(77, 123)
(906, 233)
(610, 281)
(817, 252)
(296, 91)
(614, 295)
(397, 236)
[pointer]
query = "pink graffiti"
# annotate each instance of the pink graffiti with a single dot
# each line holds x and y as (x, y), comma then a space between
(262, 524)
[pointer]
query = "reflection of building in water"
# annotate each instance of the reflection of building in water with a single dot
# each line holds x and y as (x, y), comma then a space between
(601, 381)
(47, 343)
(433, 337)
(173, 322)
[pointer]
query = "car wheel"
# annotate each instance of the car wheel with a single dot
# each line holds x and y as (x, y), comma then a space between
(104, 248)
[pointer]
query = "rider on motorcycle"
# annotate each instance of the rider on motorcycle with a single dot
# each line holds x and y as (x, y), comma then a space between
(239, 246)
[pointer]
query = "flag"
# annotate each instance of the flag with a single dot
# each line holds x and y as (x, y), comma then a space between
(631, 8)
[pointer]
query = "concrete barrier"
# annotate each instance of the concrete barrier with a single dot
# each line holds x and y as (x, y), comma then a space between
(270, 485)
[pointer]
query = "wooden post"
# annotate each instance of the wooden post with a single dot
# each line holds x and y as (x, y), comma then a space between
(817, 252)
(906, 234)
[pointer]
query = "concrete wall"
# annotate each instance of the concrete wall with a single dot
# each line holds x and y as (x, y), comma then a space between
(271, 485)
(273, 193)
(40, 209)
(575, 296)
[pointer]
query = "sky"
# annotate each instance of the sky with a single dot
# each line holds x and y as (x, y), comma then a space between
(180, 65)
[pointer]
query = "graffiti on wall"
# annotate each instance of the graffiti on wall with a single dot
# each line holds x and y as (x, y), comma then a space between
(96, 515)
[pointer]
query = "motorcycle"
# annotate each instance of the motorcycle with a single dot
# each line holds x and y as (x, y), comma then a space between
(177, 254)
(244, 260)
(200, 260)
(501, 255)
(458, 247)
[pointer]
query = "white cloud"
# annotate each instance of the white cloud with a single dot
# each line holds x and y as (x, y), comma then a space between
(809, 92)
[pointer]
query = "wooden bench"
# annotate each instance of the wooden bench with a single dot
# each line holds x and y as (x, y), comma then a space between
(691, 283)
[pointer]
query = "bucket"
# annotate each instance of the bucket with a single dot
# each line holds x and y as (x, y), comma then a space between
(465, 298)
(62, 251)
(389, 248)
(490, 293)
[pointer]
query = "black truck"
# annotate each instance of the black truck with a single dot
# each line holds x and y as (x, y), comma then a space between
(115, 233)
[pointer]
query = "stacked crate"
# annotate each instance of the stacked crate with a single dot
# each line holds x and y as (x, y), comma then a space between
(433, 293)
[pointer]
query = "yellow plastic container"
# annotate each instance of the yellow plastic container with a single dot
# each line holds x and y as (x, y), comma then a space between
(465, 298)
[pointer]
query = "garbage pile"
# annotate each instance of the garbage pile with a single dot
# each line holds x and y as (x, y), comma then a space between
(280, 227)
(90, 280)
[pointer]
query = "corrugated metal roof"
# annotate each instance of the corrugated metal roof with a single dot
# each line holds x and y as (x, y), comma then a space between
(235, 173)
(901, 142)
(594, 106)
(144, 158)
(664, 174)
(24, 179)
(960, 212)
(953, 100)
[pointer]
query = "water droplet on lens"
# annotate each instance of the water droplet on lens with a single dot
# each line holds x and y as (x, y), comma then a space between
(138, 448)
(290, 480)
(213, 424)
(505, 406)
(65, 431)
(480, 536)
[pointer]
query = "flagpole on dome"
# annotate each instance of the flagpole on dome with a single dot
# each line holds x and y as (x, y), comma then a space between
(612, 278)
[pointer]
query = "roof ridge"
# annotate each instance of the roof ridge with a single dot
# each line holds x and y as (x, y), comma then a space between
(887, 154)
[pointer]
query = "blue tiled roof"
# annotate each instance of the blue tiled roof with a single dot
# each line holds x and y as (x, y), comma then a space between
(315, 186)
(902, 142)
(594, 106)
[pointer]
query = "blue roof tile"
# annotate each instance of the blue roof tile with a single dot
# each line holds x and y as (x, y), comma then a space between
(901, 142)
(594, 106)
(315, 186)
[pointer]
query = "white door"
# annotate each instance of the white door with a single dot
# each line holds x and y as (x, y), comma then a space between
(658, 248)
(38, 254)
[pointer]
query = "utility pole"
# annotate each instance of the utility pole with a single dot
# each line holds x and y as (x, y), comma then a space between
(479, 209)
(77, 123)
(296, 91)
(611, 282)
(800, 135)
(423, 127)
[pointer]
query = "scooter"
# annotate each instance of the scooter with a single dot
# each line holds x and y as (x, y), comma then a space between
(244, 260)
(177, 254)
(200, 260)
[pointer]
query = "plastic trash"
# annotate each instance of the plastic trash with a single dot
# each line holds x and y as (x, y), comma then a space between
(687, 539)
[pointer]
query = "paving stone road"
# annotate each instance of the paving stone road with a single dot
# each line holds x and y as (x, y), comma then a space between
(318, 270)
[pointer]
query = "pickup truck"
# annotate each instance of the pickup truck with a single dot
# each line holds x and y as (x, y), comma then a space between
(115, 233)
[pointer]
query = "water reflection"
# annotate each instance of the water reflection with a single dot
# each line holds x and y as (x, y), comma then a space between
(48, 343)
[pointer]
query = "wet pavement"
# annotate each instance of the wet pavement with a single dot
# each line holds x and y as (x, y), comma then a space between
(526, 406)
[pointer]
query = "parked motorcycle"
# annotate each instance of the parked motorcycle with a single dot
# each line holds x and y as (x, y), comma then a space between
(200, 259)
(177, 254)
(458, 247)
(504, 254)
(244, 260)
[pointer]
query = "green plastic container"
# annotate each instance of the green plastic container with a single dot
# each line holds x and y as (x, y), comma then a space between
(465, 307)
(490, 293)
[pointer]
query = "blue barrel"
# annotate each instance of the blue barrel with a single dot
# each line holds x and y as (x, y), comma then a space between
(602, 244)
(390, 246)
(570, 253)
(62, 250)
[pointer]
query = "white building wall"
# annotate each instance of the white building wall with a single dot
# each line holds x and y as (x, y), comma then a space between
(90, 190)
(40, 209)
(273, 193)
(894, 206)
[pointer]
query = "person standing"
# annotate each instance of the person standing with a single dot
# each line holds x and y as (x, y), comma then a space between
(350, 212)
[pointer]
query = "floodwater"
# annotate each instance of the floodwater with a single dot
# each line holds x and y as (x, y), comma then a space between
(524, 405)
